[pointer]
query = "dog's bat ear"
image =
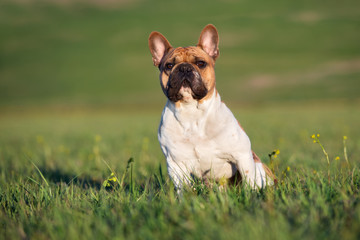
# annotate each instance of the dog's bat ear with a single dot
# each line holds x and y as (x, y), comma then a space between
(159, 46)
(209, 41)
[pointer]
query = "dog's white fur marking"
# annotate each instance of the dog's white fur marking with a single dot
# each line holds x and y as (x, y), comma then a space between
(205, 140)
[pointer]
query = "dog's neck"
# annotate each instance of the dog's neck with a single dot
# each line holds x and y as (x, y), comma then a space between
(192, 111)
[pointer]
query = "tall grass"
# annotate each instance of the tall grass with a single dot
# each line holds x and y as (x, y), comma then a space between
(75, 179)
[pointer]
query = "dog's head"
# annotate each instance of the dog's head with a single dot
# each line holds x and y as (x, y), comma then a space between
(186, 73)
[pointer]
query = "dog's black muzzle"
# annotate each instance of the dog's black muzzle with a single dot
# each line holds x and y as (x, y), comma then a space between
(185, 75)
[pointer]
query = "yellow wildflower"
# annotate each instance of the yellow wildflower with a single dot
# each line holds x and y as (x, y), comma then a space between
(337, 158)
(318, 135)
(112, 178)
(39, 139)
(313, 136)
(97, 138)
(96, 150)
(110, 181)
(345, 137)
(223, 181)
(288, 169)
(274, 153)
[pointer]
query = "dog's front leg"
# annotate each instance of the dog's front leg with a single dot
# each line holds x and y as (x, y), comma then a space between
(251, 172)
(179, 174)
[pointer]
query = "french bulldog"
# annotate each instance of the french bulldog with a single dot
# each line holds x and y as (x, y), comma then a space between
(198, 133)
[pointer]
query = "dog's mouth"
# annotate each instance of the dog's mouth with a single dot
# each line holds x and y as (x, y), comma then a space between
(184, 83)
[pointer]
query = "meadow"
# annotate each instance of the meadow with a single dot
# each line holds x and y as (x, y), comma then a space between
(80, 104)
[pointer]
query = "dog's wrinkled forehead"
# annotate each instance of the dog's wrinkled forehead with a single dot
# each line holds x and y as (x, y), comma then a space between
(186, 54)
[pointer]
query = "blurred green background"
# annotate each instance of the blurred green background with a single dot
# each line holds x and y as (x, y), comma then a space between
(94, 54)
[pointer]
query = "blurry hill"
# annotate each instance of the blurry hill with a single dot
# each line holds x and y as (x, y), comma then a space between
(96, 52)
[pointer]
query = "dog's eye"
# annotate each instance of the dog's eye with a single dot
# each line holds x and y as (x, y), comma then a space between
(201, 64)
(169, 66)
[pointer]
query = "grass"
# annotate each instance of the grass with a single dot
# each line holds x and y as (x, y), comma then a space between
(79, 98)
(52, 176)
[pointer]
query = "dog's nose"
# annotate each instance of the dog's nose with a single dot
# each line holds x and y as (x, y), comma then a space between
(185, 68)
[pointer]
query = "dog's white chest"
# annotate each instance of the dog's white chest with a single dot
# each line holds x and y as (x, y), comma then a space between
(200, 138)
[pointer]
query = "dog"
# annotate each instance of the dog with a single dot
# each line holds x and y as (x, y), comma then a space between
(198, 134)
